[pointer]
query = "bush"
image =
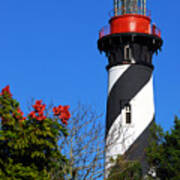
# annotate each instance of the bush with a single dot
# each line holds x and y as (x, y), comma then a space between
(29, 145)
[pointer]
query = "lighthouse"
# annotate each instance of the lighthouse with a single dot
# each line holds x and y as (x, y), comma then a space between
(129, 42)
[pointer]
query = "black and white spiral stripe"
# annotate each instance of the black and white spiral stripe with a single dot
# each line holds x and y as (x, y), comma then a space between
(129, 84)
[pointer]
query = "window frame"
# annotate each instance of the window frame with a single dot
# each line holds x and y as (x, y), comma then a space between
(128, 114)
(127, 53)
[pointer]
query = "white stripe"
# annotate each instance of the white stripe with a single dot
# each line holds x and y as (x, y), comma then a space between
(115, 73)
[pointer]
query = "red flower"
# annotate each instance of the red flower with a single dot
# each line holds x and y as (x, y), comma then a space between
(19, 115)
(66, 108)
(38, 112)
(39, 106)
(56, 111)
(32, 115)
(40, 118)
(64, 122)
(38, 102)
(20, 112)
(60, 107)
(6, 90)
(63, 113)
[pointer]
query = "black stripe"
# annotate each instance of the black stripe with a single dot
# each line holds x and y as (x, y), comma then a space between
(137, 151)
(126, 88)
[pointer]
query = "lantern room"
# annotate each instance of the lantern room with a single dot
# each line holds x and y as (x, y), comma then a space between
(122, 7)
(130, 16)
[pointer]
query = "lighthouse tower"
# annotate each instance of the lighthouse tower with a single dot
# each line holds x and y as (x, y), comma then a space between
(129, 42)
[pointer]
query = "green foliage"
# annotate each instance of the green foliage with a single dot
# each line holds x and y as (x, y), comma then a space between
(163, 154)
(28, 147)
(125, 170)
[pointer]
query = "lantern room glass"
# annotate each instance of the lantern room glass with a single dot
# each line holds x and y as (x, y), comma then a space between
(122, 7)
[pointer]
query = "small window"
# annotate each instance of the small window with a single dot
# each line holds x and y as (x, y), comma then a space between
(128, 114)
(127, 53)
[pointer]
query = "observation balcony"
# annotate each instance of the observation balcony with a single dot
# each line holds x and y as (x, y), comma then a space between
(106, 30)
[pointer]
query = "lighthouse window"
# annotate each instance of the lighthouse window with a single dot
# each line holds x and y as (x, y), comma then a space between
(128, 114)
(129, 7)
(127, 53)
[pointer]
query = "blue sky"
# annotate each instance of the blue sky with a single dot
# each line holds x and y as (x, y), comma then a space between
(48, 50)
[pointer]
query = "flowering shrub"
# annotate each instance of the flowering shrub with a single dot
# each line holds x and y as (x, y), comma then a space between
(29, 145)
